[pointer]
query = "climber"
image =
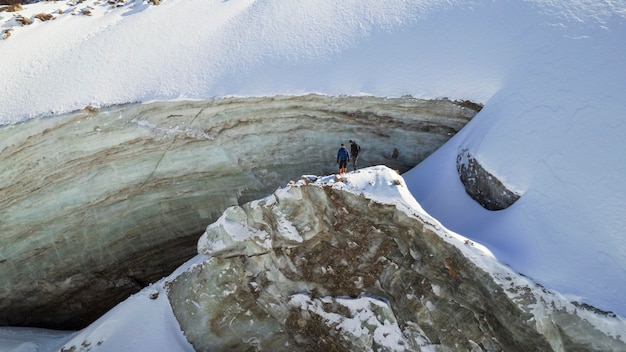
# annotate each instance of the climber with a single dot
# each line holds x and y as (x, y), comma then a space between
(355, 149)
(343, 156)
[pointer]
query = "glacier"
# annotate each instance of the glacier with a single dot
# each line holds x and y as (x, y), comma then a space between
(550, 74)
(97, 204)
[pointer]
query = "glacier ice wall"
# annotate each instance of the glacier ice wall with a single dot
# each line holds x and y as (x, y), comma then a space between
(96, 204)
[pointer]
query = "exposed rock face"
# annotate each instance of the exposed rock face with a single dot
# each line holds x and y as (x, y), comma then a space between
(481, 185)
(320, 266)
(95, 205)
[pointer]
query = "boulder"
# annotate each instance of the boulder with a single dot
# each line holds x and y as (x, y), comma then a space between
(330, 264)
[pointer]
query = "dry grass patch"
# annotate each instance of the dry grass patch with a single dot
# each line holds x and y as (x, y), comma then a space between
(116, 3)
(24, 21)
(7, 33)
(11, 8)
(44, 17)
(90, 109)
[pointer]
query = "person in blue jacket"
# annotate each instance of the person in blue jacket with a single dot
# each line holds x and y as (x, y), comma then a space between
(343, 156)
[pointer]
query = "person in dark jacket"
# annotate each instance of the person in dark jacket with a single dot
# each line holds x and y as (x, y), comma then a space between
(343, 156)
(355, 149)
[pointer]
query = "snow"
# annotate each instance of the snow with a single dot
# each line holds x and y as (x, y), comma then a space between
(16, 339)
(363, 316)
(197, 49)
(555, 135)
(550, 73)
(143, 322)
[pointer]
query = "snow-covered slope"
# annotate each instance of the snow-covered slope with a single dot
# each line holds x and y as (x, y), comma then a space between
(200, 49)
(553, 133)
(551, 74)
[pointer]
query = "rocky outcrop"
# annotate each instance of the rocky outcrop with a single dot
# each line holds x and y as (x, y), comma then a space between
(323, 265)
(99, 203)
(482, 186)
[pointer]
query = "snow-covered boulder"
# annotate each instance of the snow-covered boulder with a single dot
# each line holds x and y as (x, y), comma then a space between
(353, 263)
